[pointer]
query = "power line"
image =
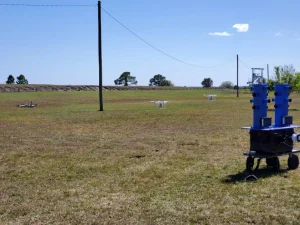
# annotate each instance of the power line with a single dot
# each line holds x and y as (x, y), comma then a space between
(30, 5)
(143, 40)
(157, 49)
(244, 64)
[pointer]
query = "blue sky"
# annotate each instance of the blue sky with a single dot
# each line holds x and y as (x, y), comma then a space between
(59, 45)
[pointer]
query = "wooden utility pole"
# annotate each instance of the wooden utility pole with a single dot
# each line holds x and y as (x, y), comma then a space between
(237, 75)
(100, 55)
(268, 71)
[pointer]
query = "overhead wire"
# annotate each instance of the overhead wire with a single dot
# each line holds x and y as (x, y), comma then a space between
(129, 30)
(31, 5)
(244, 64)
(157, 49)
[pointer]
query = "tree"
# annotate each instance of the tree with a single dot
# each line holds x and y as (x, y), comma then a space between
(277, 74)
(296, 85)
(288, 79)
(125, 78)
(284, 74)
(288, 74)
(207, 82)
(160, 80)
(227, 84)
(271, 83)
(167, 83)
(10, 79)
(21, 79)
(288, 69)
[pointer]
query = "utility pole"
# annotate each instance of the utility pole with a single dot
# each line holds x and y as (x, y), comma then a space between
(100, 55)
(268, 71)
(237, 75)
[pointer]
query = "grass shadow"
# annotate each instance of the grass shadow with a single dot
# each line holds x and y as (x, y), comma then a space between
(262, 173)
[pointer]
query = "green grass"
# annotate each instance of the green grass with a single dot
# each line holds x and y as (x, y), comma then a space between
(65, 162)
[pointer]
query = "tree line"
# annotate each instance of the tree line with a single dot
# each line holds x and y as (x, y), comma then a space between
(126, 79)
(20, 79)
(286, 74)
(282, 74)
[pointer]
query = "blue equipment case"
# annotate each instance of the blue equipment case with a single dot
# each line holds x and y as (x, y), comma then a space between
(267, 140)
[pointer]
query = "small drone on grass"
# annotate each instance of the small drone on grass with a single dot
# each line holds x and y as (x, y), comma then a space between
(160, 104)
(210, 97)
(27, 105)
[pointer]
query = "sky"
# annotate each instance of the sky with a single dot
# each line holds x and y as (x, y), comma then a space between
(59, 45)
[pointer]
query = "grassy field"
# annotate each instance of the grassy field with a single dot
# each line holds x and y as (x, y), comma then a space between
(65, 162)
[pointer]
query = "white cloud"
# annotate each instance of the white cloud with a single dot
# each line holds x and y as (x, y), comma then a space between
(220, 34)
(241, 27)
(278, 34)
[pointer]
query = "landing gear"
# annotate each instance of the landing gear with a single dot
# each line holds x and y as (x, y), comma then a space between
(293, 162)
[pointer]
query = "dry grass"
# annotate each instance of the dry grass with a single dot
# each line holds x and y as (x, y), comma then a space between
(66, 163)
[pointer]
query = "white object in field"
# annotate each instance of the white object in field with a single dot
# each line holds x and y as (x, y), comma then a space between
(160, 104)
(27, 105)
(211, 97)
(296, 137)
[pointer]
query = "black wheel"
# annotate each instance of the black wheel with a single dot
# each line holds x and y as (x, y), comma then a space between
(276, 164)
(293, 162)
(269, 162)
(249, 164)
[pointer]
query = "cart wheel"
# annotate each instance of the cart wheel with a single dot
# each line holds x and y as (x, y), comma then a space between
(276, 164)
(269, 162)
(249, 164)
(293, 162)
